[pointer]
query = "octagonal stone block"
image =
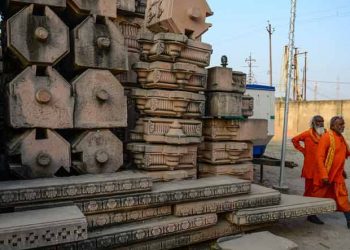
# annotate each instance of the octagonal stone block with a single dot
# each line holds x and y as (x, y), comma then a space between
(96, 152)
(42, 151)
(106, 8)
(178, 16)
(100, 100)
(37, 39)
(98, 43)
(44, 101)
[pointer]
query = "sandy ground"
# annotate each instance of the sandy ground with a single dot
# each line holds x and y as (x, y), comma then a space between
(333, 235)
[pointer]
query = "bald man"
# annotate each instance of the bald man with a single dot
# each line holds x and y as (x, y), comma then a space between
(307, 144)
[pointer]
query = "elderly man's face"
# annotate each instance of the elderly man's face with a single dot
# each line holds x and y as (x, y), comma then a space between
(319, 122)
(339, 126)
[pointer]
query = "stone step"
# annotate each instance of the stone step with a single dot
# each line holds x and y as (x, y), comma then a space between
(41, 228)
(124, 235)
(168, 193)
(173, 175)
(259, 196)
(292, 206)
(68, 188)
(243, 171)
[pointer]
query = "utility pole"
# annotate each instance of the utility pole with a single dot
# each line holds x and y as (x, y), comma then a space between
(315, 91)
(250, 62)
(270, 30)
(282, 185)
(338, 88)
(304, 73)
(295, 75)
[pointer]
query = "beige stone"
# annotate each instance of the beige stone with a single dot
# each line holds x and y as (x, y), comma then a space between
(225, 152)
(234, 130)
(99, 43)
(96, 152)
(167, 193)
(99, 100)
(173, 175)
(129, 78)
(226, 80)
(140, 6)
(126, 5)
(177, 16)
(70, 188)
(224, 104)
(170, 75)
(243, 171)
(14, 4)
(247, 106)
(43, 152)
(96, 7)
(258, 197)
(41, 228)
(292, 206)
(170, 131)
(172, 47)
(169, 103)
(131, 28)
(37, 39)
(117, 218)
(44, 101)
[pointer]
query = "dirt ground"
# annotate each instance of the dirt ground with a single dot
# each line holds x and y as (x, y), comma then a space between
(332, 235)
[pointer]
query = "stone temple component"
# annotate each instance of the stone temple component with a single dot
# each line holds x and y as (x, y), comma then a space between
(97, 7)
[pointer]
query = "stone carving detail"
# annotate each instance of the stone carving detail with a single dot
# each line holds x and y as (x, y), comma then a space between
(172, 175)
(243, 171)
(100, 220)
(170, 75)
(171, 47)
(97, 152)
(168, 193)
(126, 5)
(140, 6)
(177, 16)
(130, 28)
(99, 44)
(44, 190)
(41, 228)
(43, 40)
(106, 8)
(40, 101)
(98, 93)
(172, 131)
(226, 80)
(258, 197)
(42, 152)
(247, 106)
(169, 103)
(224, 104)
(225, 152)
(163, 157)
(292, 206)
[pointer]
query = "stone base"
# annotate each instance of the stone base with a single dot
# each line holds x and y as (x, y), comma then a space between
(243, 171)
(259, 196)
(164, 176)
(40, 228)
(291, 206)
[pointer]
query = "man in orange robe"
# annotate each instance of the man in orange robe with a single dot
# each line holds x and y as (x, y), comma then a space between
(310, 139)
(329, 181)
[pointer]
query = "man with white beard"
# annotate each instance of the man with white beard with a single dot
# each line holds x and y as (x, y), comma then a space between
(310, 139)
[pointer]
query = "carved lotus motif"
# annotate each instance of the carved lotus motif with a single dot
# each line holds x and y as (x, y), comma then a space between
(92, 206)
(140, 234)
(72, 190)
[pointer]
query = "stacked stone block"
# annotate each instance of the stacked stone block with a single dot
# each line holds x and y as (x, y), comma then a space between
(225, 150)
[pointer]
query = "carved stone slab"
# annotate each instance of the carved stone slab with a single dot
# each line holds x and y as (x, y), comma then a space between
(292, 206)
(173, 175)
(221, 229)
(130, 28)
(169, 103)
(140, 6)
(224, 79)
(258, 197)
(126, 5)
(172, 131)
(177, 16)
(163, 157)
(37, 39)
(170, 75)
(68, 188)
(43, 227)
(243, 171)
(98, 93)
(168, 193)
(259, 240)
(107, 219)
(234, 130)
(43, 152)
(225, 152)
(98, 43)
(224, 104)
(97, 152)
(172, 47)
(40, 101)
(96, 7)
(247, 106)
